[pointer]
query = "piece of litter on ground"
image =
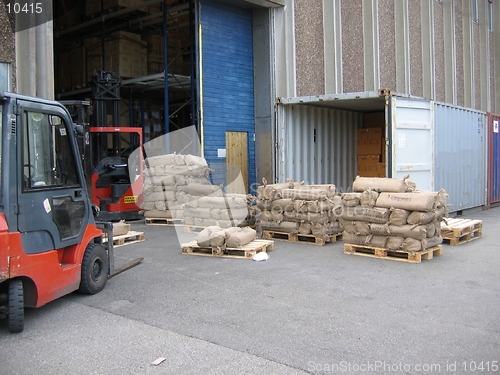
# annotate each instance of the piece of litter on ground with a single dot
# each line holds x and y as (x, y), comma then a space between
(158, 361)
(259, 257)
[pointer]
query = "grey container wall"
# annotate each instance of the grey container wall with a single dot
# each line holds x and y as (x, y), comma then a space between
(317, 145)
(460, 155)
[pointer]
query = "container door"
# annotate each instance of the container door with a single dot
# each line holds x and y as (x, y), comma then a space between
(493, 160)
(412, 141)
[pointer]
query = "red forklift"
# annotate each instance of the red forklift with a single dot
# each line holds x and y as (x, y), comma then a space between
(50, 243)
(112, 175)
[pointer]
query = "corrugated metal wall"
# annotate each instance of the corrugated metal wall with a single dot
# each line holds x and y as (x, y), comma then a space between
(460, 155)
(317, 145)
(228, 86)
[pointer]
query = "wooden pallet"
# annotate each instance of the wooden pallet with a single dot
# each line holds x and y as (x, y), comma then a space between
(399, 255)
(127, 239)
(459, 231)
(198, 229)
(302, 238)
(246, 252)
(163, 221)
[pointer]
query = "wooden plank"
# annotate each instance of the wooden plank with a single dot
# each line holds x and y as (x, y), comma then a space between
(246, 252)
(126, 239)
(398, 255)
(162, 221)
(237, 161)
(459, 231)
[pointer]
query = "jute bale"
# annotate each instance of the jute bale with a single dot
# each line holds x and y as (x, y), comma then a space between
(305, 228)
(407, 201)
(271, 216)
(202, 213)
(368, 198)
(381, 184)
(420, 218)
(395, 243)
(372, 215)
(284, 226)
(272, 191)
(363, 228)
(203, 238)
(418, 232)
(398, 216)
(240, 237)
(351, 199)
(199, 190)
(154, 161)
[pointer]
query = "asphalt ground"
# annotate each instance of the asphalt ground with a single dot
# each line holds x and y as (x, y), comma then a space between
(308, 309)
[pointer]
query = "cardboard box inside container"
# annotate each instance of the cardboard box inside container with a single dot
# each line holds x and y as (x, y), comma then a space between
(365, 160)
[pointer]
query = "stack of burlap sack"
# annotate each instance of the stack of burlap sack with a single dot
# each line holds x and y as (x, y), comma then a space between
(300, 209)
(390, 213)
(219, 238)
(177, 186)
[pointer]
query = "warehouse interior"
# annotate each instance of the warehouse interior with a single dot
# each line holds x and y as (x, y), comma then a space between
(126, 37)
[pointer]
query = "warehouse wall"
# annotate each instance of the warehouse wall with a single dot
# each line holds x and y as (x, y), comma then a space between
(7, 52)
(430, 49)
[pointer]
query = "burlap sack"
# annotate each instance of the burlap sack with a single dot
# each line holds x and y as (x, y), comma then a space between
(368, 198)
(394, 185)
(394, 243)
(159, 180)
(398, 216)
(153, 161)
(192, 201)
(311, 217)
(218, 239)
(363, 228)
(200, 190)
(434, 241)
(305, 228)
(148, 206)
(160, 196)
(195, 160)
(379, 241)
(351, 199)
(271, 191)
(407, 201)
(284, 226)
(160, 205)
(188, 220)
(355, 239)
(421, 218)
(186, 180)
(372, 215)
(182, 197)
(380, 229)
(201, 213)
(349, 226)
(210, 222)
(212, 202)
(437, 226)
(418, 232)
(203, 238)
(431, 230)
(334, 227)
(234, 214)
(411, 244)
(304, 193)
(238, 237)
(271, 216)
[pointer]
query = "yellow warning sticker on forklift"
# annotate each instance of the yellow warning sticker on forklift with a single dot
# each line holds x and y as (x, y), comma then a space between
(130, 199)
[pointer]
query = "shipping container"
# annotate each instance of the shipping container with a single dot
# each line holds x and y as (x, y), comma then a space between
(317, 137)
(460, 155)
(318, 141)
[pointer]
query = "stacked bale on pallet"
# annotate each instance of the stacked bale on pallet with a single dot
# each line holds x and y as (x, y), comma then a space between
(218, 238)
(299, 209)
(391, 214)
(177, 187)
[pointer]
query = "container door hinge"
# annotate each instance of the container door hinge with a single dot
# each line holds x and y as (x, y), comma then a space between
(17, 209)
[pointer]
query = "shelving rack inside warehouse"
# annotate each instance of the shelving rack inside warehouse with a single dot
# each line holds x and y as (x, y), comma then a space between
(151, 44)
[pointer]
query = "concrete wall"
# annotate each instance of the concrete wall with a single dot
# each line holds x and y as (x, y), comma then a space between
(7, 37)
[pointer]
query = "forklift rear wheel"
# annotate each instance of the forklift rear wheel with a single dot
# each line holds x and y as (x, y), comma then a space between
(16, 306)
(95, 265)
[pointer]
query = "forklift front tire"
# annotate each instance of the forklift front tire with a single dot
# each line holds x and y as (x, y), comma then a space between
(95, 265)
(16, 306)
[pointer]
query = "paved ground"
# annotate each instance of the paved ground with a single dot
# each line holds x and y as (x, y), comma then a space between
(308, 309)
